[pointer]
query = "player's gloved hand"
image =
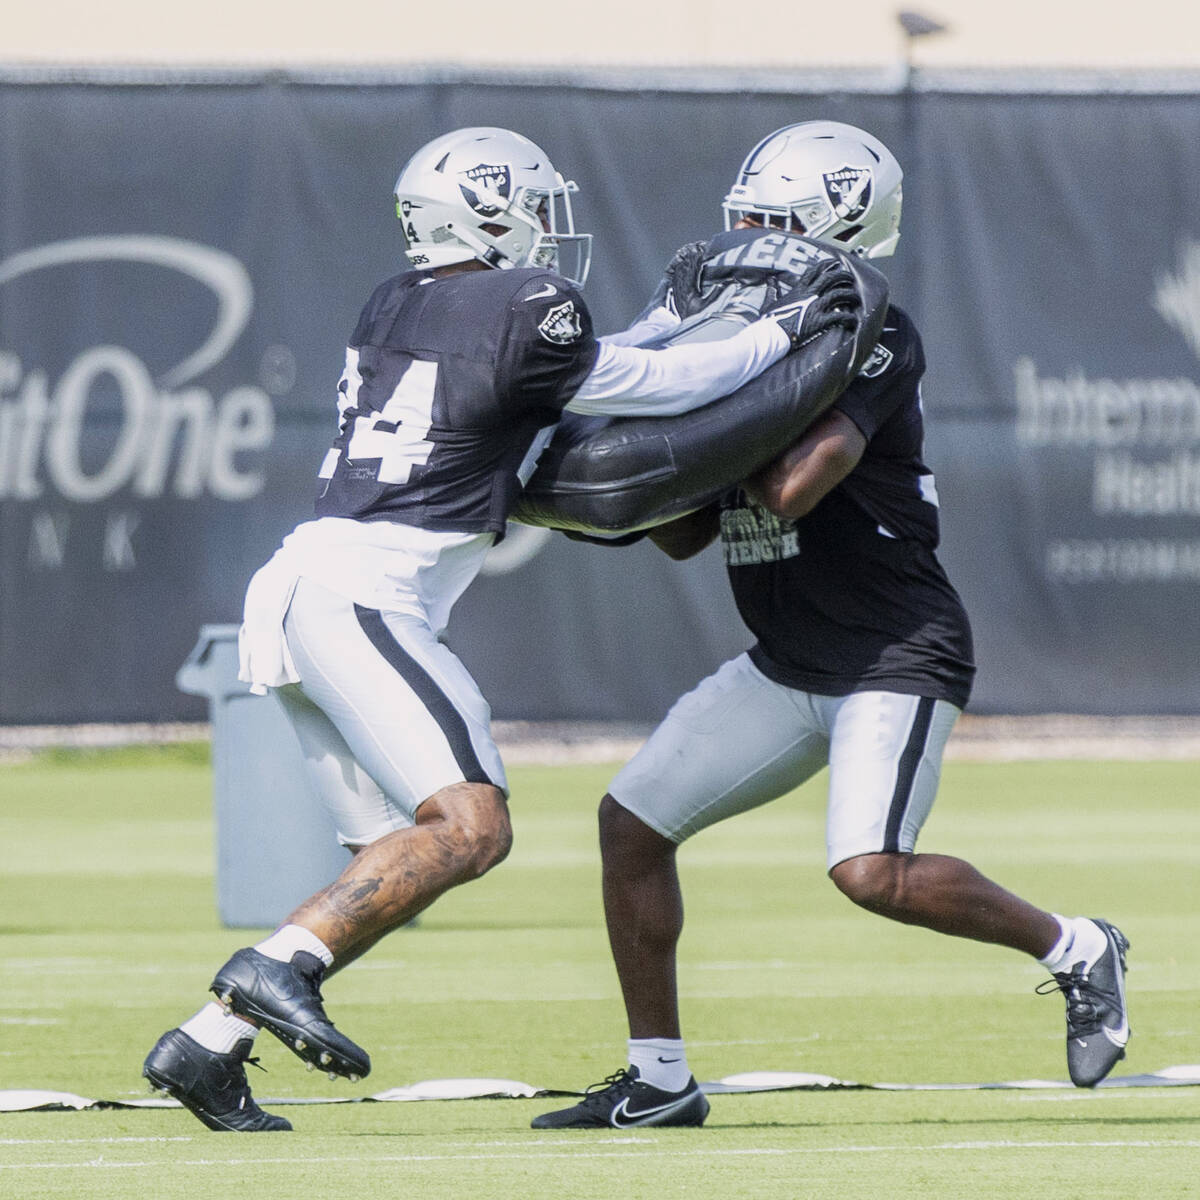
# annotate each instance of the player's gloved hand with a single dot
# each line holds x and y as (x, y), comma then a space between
(827, 299)
(679, 289)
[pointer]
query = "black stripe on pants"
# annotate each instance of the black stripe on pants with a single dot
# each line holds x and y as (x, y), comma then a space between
(910, 759)
(436, 702)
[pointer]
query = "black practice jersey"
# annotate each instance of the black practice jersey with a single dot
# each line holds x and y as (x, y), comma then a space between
(852, 597)
(452, 387)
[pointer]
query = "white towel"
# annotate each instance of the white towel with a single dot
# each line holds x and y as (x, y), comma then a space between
(264, 660)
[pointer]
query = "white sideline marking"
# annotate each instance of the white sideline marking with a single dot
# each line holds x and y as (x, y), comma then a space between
(474, 1145)
(790, 1041)
(99, 1141)
(1088, 1096)
(24, 1100)
(769, 1152)
(770, 964)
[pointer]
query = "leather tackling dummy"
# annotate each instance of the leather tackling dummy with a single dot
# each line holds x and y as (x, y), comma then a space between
(619, 475)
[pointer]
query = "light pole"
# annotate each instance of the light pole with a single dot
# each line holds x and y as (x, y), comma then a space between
(915, 25)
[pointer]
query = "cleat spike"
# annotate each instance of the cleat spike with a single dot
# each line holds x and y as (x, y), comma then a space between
(353, 1078)
(300, 1044)
(310, 1066)
(326, 1058)
(332, 1074)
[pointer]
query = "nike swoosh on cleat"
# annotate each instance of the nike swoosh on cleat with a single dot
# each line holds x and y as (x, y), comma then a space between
(286, 992)
(1118, 1036)
(618, 1116)
(548, 290)
(667, 1060)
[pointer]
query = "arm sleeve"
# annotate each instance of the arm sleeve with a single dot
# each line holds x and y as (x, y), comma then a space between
(629, 381)
(658, 321)
(895, 367)
(548, 347)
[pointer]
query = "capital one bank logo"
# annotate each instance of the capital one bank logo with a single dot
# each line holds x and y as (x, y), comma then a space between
(172, 436)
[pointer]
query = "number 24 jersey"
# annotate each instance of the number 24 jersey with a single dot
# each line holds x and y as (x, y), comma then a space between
(452, 387)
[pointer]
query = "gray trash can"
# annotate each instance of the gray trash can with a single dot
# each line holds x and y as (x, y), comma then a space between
(276, 845)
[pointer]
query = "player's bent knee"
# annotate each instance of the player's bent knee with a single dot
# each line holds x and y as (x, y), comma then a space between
(492, 835)
(627, 839)
(875, 882)
(475, 825)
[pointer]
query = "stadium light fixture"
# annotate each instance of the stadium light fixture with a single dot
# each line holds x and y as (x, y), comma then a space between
(917, 24)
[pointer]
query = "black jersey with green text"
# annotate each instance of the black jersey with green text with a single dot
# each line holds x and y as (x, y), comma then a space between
(852, 597)
(452, 388)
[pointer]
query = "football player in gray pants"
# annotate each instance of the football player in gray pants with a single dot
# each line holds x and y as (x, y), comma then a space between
(863, 662)
(455, 378)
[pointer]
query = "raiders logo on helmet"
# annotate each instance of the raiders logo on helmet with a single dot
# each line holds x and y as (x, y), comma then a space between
(849, 191)
(561, 324)
(496, 177)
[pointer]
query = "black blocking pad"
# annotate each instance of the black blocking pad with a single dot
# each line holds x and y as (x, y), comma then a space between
(621, 474)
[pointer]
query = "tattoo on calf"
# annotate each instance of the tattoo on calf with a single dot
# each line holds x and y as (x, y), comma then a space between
(351, 898)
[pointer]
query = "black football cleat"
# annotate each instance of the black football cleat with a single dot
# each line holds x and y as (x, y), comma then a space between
(209, 1084)
(1097, 1019)
(623, 1101)
(285, 998)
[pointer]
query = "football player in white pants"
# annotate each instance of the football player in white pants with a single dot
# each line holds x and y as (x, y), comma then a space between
(863, 662)
(454, 380)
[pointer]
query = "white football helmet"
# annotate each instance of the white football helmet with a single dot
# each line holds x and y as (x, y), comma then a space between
(826, 180)
(492, 195)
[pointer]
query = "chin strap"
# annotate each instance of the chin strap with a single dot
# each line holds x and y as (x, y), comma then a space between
(488, 255)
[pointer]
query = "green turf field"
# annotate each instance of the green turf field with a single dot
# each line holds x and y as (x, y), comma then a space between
(108, 935)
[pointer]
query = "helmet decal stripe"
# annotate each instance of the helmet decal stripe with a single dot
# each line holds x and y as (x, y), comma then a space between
(748, 167)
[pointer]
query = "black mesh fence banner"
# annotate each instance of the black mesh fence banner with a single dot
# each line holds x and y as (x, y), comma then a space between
(181, 265)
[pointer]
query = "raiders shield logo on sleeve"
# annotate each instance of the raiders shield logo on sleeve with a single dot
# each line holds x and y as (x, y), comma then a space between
(880, 360)
(561, 324)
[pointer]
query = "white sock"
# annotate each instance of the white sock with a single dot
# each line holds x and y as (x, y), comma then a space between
(1082, 941)
(1058, 951)
(284, 942)
(215, 1031)
(661, 1062)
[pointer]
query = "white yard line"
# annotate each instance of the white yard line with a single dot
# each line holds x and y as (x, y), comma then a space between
(96, 1141)
(657, 1149)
